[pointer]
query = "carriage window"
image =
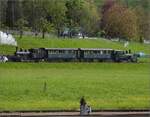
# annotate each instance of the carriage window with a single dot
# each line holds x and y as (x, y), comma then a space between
(91, 52)
(57, 51)
(85, 52)
(95, 52)
(104, 51)
(72, 51)
(60, 51)
(51, 52)
(69, 51)
(109, 51)
(65, 51)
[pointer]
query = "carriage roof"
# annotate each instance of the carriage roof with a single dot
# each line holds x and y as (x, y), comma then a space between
(22, 52)
(61, 49)
(97, 49)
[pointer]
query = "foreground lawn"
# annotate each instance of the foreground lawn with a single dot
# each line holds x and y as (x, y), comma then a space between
(30, 86)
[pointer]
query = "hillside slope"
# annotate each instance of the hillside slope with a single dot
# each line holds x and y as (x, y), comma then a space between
(36, 42)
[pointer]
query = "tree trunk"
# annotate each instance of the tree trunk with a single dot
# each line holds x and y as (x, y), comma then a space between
(58, 32)
(43, 34)
(21, 33)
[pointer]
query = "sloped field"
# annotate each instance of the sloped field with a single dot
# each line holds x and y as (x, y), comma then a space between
(34, 42)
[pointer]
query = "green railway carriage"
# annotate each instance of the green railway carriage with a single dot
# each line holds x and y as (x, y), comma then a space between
(61, 54)
(100, 54)
(75, 54)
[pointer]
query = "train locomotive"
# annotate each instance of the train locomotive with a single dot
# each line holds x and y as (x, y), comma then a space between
(73, 54)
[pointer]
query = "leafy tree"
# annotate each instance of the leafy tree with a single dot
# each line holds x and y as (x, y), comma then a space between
(3, 6)
(13, 12)
(1, 25)
(82, 14)
(33, 11)
(89, 18)
(121, 22)
(53, 11)
(74, 12)
(21, 25)
(104, 9)
(107, 5)
(143, 23)
(45, 26)
(56, 14)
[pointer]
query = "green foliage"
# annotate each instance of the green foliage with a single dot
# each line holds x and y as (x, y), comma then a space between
(120, 22)
(13, 11)
(56, 11)
(142, 8)
(82, 14)
(143, 23)
(89, 18)
(21, 25)
(2, 26)
(85, 14)
(33, 11)
(45, 26)
(104, 85)
(99, 2)
(145, 4)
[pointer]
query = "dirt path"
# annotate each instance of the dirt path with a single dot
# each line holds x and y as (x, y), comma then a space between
(76, 114)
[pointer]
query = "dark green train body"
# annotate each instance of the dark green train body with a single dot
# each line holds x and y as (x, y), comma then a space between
(75, 54)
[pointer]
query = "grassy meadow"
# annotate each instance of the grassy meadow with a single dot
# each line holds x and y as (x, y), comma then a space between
(59, 86)
(34, 42)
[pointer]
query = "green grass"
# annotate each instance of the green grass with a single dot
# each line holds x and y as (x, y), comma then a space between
(33, 42)
(104, 85)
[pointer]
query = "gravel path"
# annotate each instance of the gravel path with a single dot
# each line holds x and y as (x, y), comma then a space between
(76, 114)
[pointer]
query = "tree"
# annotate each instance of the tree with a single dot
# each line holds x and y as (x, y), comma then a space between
(1, 25)
(3, 6)
(89, 18)
(21, 25)
(143, 22)
(13, 12)
(45, 26)
(56, 14)
(74, 9)
(120, 22)
(33, 11)
(107, 5)
(52, 10)
(103, 11)
(82, 14)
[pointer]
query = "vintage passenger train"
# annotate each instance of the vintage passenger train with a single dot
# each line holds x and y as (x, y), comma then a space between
(73, 54)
